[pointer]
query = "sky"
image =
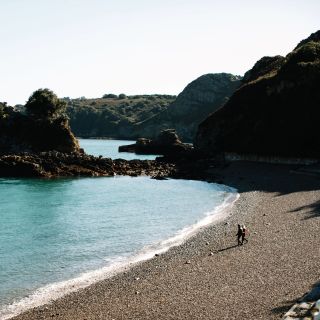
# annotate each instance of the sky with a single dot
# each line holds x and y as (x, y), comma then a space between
(92, 47)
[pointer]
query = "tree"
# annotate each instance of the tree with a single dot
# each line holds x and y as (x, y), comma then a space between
(44, 104)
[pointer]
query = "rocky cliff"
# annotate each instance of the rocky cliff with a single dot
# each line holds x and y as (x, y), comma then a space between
(275, 111)
(201, 97)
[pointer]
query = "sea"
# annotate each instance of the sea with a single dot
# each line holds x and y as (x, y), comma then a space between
(60, 235)
(109, 149)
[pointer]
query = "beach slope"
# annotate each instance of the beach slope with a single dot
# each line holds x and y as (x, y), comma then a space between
(209, 276)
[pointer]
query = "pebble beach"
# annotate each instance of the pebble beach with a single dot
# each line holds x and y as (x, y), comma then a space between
(210, 276)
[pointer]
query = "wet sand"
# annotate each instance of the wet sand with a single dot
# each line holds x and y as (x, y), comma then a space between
(209, 276)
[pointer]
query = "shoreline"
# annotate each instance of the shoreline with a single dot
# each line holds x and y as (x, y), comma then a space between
(54, 291)
(260, 280)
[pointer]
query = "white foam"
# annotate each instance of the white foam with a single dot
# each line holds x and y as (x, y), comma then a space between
(54, 291)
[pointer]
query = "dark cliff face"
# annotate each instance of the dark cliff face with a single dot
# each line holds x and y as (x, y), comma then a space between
(19, 133)
(275, 112)
(201, 97)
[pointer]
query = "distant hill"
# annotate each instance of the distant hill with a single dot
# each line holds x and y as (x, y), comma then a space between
(132, 117)
(276, 111)
(113, 116)
(200, 97)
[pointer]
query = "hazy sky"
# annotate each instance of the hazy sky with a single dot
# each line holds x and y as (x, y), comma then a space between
(91, 47)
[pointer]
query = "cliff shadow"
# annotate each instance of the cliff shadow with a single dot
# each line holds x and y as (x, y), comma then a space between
(279, 179)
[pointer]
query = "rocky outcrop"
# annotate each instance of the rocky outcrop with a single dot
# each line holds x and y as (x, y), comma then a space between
(201, 97)
(275, 112)
(57, 164)
(42, 145)
(20, 133)
(167, 143)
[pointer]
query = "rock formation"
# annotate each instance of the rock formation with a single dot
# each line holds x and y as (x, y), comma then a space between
(201, 97)
(167, 143)
(276, 110)
(57, 164)
(23, 132)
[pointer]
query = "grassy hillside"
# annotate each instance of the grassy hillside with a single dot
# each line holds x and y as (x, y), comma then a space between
(113, 116)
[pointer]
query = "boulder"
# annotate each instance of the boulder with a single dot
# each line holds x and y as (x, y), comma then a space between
(167, 143)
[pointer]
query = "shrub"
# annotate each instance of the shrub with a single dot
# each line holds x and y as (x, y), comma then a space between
(109, 96)
(2, 109)
(122, 96)
(44, 104)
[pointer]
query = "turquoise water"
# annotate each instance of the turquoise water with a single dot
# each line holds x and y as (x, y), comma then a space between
(109, 149)
(58, 235)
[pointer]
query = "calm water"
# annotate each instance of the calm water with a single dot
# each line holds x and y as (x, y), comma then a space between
(81, 229)
(109, 149)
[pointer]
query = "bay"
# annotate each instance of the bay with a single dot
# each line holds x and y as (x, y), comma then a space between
(53, 231)
(109, 149)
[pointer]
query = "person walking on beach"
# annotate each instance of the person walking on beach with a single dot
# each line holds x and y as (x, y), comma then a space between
(244, 233)
(239, 234)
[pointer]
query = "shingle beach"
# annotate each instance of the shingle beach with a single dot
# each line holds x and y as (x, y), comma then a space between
(209, 276)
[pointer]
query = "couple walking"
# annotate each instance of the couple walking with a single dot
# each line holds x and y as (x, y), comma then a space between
(242, 232)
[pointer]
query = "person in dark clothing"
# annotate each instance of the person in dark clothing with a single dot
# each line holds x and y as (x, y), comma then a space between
(244, 233)
(239, 234)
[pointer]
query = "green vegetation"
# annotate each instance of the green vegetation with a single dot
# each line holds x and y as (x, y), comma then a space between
(3, 106)
(44, 104)
(112, 115)
(132, 117)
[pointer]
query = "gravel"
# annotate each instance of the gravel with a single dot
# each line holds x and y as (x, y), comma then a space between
(209, 276)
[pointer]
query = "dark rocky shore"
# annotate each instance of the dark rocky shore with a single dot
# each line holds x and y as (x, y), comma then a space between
(56, 164)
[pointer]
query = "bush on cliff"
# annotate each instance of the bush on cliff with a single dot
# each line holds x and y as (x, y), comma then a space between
(44, 104)
(2, 109)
